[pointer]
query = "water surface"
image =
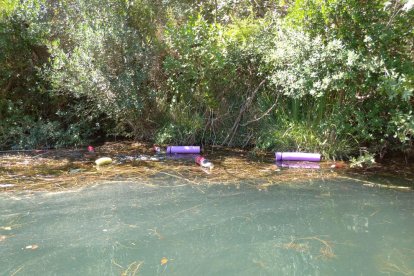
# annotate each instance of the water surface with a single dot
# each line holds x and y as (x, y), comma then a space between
(335, 227)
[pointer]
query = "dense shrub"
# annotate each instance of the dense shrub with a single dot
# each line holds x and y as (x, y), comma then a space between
(332, 76)
(338, 93)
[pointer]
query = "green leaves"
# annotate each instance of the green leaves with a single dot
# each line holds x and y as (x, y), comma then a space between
(333, 74)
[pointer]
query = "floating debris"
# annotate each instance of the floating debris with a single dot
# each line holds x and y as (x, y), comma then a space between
(396, 261)
(157, 149)
(103, 161)
(6, 185)
(32, 247)
(6, 228)
(183, 149)
(325, 247)
(297, 156)
(164, 261)
(339, 165)
(51, 171)
(200, 160)
(132, 269)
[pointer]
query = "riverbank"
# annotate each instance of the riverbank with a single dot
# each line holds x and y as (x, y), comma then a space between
(67, 169)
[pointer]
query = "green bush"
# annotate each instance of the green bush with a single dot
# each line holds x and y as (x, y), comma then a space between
(332, 76)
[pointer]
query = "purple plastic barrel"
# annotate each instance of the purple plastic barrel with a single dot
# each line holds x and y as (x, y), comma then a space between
(298, 165)
(183, 149)
(297, 156)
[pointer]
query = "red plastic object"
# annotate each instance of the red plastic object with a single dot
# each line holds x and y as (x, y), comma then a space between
(200, 160)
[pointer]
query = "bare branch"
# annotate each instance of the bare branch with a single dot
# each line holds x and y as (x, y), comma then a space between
(246, 106)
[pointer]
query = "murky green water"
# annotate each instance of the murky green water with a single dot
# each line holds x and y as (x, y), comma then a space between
(316, 228)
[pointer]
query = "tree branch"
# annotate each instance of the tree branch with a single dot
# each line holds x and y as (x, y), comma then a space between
(233, 130)
(264, 114)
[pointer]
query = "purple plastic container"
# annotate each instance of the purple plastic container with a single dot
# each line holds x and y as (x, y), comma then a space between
(298, 164)
(183, 149)
(297, 156)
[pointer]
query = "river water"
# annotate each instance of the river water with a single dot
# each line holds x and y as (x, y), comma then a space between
(315, 227)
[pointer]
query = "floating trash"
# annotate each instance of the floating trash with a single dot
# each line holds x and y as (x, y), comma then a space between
(103, 161)
(157, 149)
(32, 247)
(339, 165)
(183, 149)
(7, 185)
(297, 156)
(200, 160)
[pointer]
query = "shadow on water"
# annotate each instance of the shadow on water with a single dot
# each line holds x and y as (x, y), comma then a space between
(169, 226)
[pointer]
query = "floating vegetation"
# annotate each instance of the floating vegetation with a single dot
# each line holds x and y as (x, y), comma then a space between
(59, 170)
(155, 233)
(397, 261)
(132, 269)
(299, 247)
(16, 271)
(325, 247)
